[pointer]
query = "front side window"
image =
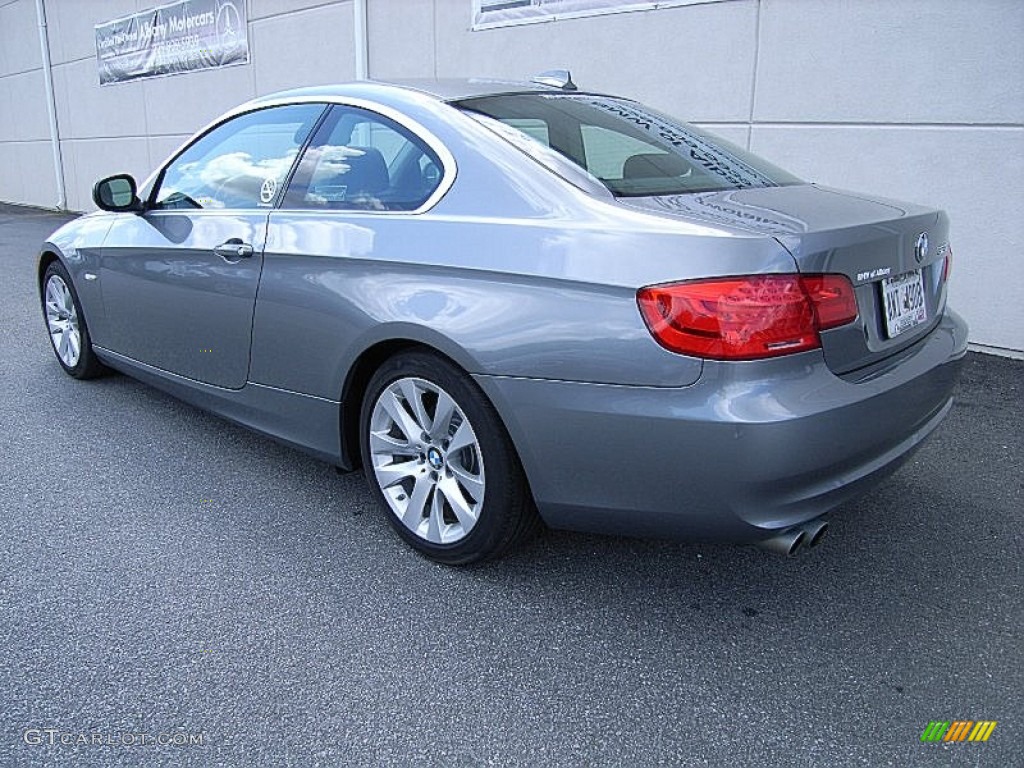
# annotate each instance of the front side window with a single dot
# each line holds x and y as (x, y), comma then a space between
(242, 163)
(632, 150)
(361, 160)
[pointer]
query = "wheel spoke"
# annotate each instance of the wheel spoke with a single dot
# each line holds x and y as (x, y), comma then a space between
(457, 500)
(414, 397)
(53, 294)
(73, 345)
(463, 437)
(413, 515)
(390, 403)
(472, 483)
(442, 416)
(390, 474)
(436, 524)
(62, 347)
(382, 442)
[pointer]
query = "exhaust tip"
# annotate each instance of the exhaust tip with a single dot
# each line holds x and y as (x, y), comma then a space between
(787, 543)
(814, 533)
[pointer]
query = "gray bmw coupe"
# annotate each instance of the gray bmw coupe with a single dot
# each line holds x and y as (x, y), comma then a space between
(517, 302)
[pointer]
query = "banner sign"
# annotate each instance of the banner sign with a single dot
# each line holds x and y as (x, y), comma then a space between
(171, 39)
(500, 13)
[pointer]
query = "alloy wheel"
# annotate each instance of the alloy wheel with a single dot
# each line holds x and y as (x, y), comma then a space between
(62, 321)
(427, 460)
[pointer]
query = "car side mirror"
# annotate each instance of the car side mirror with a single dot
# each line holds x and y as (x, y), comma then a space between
(117, 193)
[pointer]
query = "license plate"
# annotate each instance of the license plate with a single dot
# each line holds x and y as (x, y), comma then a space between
(903, 296)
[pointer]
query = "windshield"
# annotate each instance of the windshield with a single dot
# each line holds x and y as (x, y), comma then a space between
(632, 150)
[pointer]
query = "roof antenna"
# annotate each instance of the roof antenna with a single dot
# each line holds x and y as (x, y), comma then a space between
(556, 78)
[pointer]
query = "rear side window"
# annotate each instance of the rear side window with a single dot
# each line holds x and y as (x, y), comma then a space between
(630, 149)
(361, 160)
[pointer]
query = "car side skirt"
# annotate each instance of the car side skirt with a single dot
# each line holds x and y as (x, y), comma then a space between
(308, 423)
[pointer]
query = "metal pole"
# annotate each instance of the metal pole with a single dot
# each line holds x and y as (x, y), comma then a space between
(362, 57)
(51, 107)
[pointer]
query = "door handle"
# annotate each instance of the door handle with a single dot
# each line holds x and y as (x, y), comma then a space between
(234, 249)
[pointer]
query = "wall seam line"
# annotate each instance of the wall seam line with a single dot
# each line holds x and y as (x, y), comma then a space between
(434, 34)
(297, 11)
(863, 124)
(753, 74)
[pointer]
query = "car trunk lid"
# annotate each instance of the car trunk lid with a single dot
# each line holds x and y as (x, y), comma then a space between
(893, 253)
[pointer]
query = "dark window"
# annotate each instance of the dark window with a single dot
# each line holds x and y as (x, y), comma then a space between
(241, 163)
(629, 148)
(360, 160)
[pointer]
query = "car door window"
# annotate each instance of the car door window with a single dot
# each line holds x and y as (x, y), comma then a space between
(241, 163)
(360, 160)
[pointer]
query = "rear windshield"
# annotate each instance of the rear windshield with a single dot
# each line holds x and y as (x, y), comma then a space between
(632, 150)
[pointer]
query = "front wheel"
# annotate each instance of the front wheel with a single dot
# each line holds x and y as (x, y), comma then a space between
(66, 325)
(439, 460)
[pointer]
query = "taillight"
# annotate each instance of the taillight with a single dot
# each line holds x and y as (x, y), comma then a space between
(947, 265)
(746, 318)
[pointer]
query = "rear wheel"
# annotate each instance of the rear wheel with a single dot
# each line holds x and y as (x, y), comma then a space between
(440, 462)
(69, 334)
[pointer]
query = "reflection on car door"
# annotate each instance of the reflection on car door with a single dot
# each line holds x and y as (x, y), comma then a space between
(358, 165)
(179, 281)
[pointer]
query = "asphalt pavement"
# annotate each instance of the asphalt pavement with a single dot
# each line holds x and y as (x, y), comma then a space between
(168, 577)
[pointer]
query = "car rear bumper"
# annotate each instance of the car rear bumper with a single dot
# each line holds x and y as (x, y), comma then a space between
(748, 450)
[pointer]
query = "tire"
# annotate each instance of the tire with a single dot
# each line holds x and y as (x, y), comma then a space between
(66, 326)
(453, 489)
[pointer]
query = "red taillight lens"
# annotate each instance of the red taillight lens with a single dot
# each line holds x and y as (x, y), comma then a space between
(746, 318)
(947, 266)
(832, 298)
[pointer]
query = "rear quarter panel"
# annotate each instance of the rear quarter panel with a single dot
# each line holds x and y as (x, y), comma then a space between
(515, 272)
(549, 300)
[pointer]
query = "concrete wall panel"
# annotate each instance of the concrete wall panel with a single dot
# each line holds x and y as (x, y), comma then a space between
(20, 52)
(71, 25)
(924, 61)
(27, 118)
(7, 111)
(33, 162)
(86, 109)
(406, 49)
(208, 93)
(10, 177)
(306, 48)
(86, 161)
(261, 9)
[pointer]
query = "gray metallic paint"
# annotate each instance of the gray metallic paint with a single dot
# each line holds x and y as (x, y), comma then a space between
(528, 282)
(750, 449)
(172, 303)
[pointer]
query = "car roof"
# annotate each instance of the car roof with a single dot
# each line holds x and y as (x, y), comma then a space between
(443, 89)
(454, 89)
